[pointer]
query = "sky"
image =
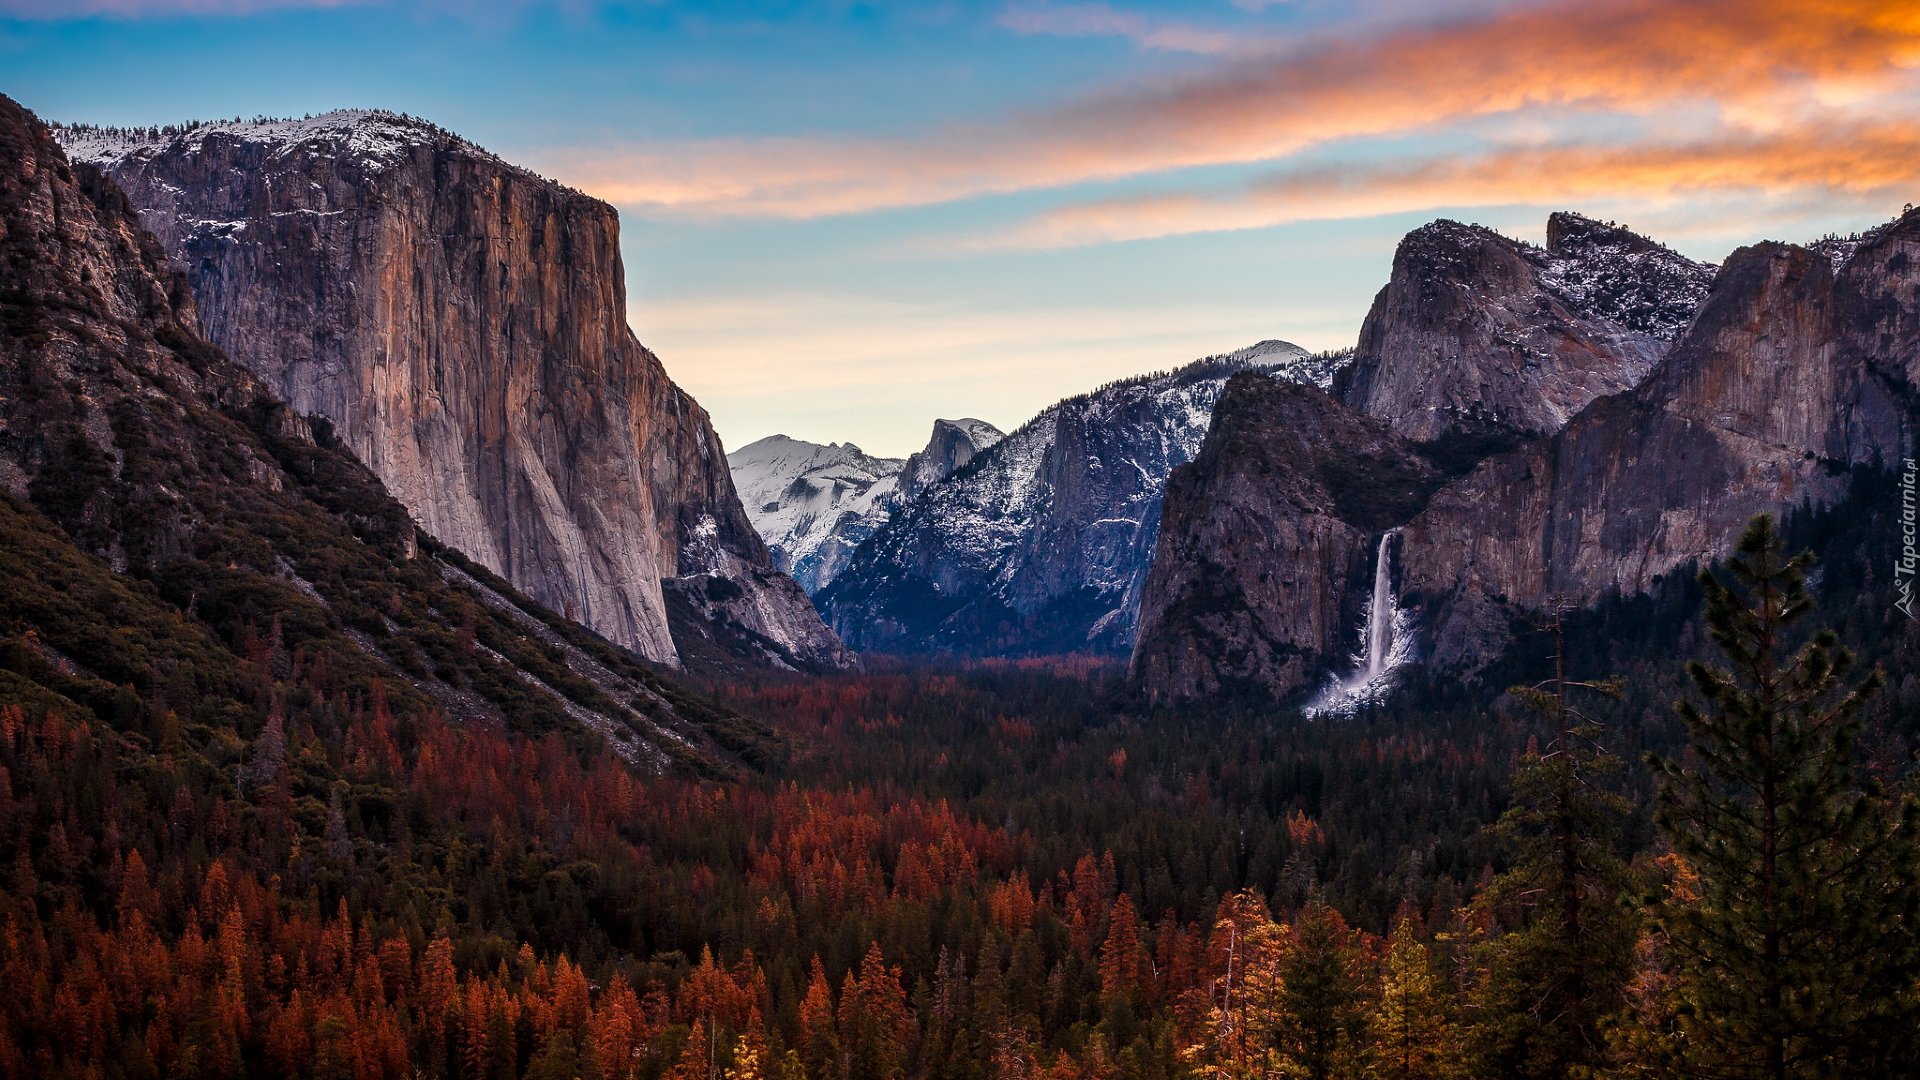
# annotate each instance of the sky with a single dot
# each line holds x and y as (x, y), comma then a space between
(841, 220)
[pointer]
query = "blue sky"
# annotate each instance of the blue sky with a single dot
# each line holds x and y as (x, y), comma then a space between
(842, 220)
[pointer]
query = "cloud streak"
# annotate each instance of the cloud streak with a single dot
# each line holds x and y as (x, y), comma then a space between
(1855, 165)
(1756, 62)
(1102, 20)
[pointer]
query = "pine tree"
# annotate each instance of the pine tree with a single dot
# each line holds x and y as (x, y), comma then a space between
(750, 1052)
(819, 1031)
(1323, 1014)
(1558, 975)
(1412, 1029)
(1799, 959)
(875, 1025)
(1242, 996)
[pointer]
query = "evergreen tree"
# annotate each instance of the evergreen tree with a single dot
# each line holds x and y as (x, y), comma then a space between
(819, 1031)
(875, 1025)
(1242, 1011)
(1323, 1011)
(1412, 1029)
(1799, 958)
(750, 1052)
(1559, 973)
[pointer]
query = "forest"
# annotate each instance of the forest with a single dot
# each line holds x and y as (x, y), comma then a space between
(228, 851)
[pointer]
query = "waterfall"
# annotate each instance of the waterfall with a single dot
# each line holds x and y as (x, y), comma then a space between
(1384, 643)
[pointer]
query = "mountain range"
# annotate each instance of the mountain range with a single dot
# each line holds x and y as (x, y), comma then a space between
(1516, 425)
(1041, 543)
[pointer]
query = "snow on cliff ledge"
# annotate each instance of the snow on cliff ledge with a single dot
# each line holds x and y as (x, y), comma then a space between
(372, 137)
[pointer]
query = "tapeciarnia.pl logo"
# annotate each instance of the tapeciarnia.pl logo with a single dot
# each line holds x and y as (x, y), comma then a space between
(1909, 560)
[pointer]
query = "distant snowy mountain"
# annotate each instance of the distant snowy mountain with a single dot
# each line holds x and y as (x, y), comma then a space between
(1041, 543)
(813, 504)
(952, 446)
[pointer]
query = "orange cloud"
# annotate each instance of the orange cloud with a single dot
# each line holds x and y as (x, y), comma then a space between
(1757, 62)
(1866, 166)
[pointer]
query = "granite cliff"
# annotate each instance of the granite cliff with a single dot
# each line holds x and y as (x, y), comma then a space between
(163, 512)
(1792, 372)
(1479, 339)
(1264, 536)
(951, 447)
(1797, 365)
(462, 323)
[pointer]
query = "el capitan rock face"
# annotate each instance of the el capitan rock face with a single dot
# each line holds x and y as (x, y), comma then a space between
(463, 324)
(174, 497)
(1479, 335)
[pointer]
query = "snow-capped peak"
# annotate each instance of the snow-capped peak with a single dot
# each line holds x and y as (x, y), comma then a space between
(812, 502)
(1042, 542)
(953, 444)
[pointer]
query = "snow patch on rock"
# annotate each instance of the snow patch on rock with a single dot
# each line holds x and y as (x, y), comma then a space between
(367, 136)
(813, 503)
(1041, 543)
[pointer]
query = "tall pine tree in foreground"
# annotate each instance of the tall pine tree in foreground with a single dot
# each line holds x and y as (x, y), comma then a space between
(1799, 959)
(1556, 979)
(1323, 1014)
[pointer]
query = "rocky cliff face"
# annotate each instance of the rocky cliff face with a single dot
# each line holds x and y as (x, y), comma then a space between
(1268, 538)
(953, 444)
(1042, 543)
(1478, 336)
(1789, 374)
(235, 523)
(1797, 365)
(462, 323)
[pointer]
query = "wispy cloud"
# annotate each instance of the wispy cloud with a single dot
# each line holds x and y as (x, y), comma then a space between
(1102, 20)
(1843, 166)
(1750, 62)
(51, 10)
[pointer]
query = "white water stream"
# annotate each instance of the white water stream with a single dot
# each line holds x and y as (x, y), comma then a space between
(1385, 644)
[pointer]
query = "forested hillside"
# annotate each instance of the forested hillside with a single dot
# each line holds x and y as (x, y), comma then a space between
(1007, 870)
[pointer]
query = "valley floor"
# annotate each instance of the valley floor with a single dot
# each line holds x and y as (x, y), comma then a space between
(942, 870)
